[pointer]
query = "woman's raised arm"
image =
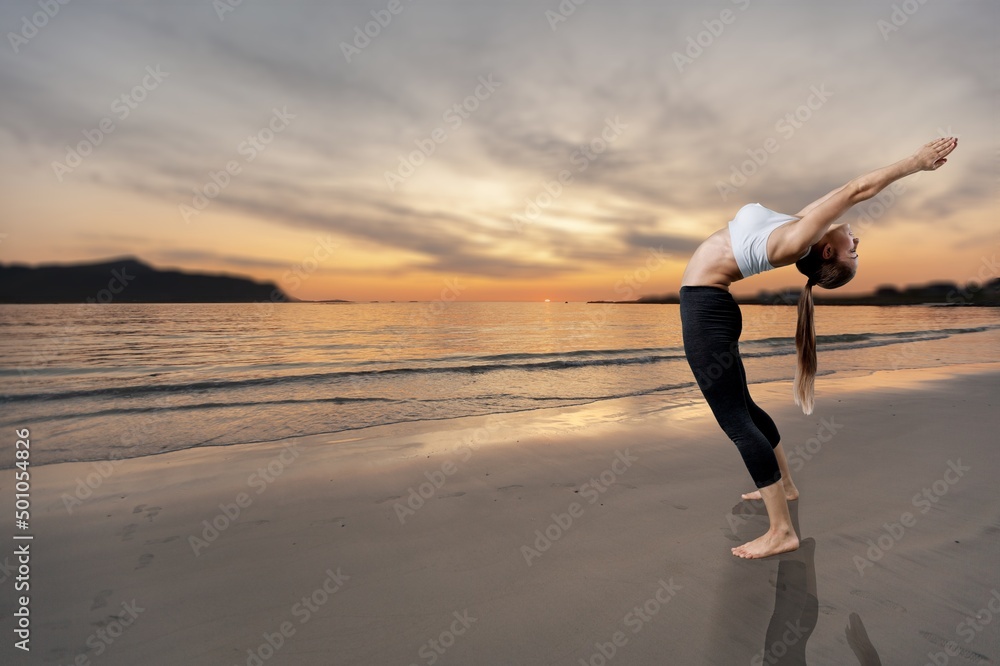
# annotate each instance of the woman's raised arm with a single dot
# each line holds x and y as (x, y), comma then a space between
(818, 217)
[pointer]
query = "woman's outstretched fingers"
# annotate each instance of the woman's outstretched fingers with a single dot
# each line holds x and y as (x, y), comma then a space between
(932, 155)
(943, 149)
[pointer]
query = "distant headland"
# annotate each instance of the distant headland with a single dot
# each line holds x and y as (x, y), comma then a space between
(935, 293)
(130, 280)
(127, 280)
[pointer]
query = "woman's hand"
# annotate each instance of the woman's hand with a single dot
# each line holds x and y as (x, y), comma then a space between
(932, 155)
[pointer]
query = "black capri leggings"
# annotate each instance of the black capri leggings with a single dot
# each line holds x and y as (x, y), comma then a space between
(711, 324)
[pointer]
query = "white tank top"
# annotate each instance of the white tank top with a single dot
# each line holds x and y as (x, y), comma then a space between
(749, 232)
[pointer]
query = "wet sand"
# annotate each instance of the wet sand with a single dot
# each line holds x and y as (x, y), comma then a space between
(592, 534)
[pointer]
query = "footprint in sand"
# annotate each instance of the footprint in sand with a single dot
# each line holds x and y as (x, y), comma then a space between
(682, 507)
(108, 620)
(151, 511)
(58, 654)
(510, 487)
(164, 540)
(879, 600)
(940, 641)
(101, 600)
(754, 508)
(251, 523)
(337, 519)
(859, 642)
(388, 499)
(732, 537)
(127, 531)
(144, 560)
(458, 494)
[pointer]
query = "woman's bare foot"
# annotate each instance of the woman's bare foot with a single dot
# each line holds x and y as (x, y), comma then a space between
(791, 492)
(771, 543)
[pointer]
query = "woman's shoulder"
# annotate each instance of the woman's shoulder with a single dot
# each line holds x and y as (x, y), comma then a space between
(754, 217)
(770, 211)
(784, 216)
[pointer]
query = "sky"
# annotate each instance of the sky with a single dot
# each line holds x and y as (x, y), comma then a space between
(487, 151)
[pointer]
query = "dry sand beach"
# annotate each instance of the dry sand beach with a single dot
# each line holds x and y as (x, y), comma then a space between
(596, 534)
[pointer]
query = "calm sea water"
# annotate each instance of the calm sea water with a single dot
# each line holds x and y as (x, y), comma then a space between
(94, 381)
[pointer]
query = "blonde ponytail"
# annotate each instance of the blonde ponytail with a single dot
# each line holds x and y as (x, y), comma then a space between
(805, 345)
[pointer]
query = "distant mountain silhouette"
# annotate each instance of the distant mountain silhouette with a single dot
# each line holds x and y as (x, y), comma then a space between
(127, 280)
(935, 293)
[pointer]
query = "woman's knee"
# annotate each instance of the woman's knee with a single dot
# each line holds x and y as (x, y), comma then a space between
(765, 424)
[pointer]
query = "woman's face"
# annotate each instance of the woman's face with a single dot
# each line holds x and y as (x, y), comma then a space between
(844, 243)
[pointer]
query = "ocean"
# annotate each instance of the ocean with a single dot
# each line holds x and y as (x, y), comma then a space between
(95, 382)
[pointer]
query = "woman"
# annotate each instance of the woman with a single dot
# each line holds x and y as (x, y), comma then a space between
(756, 240)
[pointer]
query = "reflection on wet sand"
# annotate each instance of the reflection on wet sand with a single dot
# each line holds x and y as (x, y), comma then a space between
(796, 606)
(857, 638)
(796, 601)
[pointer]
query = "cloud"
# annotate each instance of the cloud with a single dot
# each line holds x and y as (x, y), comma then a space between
(188, 256)
(655, 185)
